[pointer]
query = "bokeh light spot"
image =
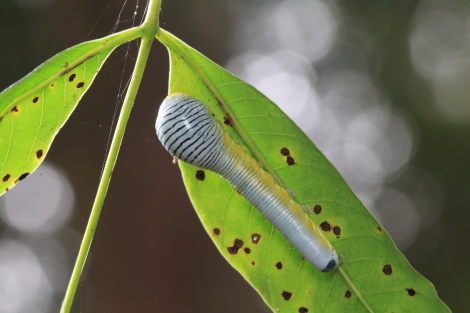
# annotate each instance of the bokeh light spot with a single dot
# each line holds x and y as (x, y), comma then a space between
(41, 203)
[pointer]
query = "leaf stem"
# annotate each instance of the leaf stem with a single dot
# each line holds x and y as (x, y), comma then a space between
(151, 26)
(149, 29)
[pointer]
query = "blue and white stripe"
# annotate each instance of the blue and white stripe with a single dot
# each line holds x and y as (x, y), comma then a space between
(187, 129)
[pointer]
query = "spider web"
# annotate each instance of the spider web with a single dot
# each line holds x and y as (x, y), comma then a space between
(24, 247)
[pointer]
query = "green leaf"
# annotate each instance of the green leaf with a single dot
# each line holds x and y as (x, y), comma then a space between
(34, 109)
(374, 276)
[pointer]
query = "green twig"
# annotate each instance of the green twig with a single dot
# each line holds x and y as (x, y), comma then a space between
(148, 31)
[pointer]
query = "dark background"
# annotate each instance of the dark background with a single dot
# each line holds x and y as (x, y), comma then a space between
(141, 260)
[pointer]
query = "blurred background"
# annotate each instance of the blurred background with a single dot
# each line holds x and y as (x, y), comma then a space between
(380, 86)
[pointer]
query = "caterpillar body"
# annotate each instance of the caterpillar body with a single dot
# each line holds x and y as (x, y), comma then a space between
(187, 129)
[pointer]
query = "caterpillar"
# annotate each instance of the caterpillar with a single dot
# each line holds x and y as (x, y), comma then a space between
(188, 130)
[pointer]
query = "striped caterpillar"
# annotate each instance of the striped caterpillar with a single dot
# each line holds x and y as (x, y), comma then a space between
(187, 129)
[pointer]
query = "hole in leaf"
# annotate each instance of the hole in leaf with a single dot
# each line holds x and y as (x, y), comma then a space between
(325, 226)
(255, 238)
(285, 151)
(387, 269)
(411, 292)
(303, 310)
(6, 177)
(72, 77)
(286, 295)
(317, 209)
(35, 99)
(200, 175)
(80, 85)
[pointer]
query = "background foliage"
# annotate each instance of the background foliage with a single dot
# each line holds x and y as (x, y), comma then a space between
(134, 266)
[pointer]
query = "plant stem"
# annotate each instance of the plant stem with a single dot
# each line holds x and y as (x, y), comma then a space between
(150, 27)
(149, 30)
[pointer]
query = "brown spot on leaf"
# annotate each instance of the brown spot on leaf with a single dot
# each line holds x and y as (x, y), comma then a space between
(337, 230)
(325, 226)
(232, 250)
(255, 238)
(216, 231)
(247, 250)
(72, 77)
(279, 265)
(228, 120)
(39, 153)
(379, 228)
(285, 151)
(237, 244)
(253, 263)
(303, 310)
(411, 292)
(200, 175)
(286, 295)
(347, 294)
(290, 160)
(22, 176)
(6, 178)
(387, 269)
(317, 209)
(80, 85)
(35, 99)
(15, 109)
